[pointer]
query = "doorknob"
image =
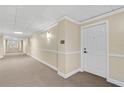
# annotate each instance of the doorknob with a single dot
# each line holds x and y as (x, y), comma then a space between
(85, 50)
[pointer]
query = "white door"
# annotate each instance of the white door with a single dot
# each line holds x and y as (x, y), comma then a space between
(95, 50)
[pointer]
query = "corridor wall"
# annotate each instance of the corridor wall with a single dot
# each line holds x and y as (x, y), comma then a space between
(47, 48)
(43, 46)
(116, 47)
(1, 46)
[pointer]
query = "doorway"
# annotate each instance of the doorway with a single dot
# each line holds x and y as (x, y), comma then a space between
(94, 49)
(13, 46)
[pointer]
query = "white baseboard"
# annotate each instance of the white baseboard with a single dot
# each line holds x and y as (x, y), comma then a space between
(81, 70)
(116, 82)
(61, 74)
(67, 75)
(101, 74)
(54, 68)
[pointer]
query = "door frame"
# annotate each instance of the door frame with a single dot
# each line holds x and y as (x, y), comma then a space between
(107, 44)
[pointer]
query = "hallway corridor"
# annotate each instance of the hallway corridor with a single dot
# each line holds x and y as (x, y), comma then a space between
(18, 69)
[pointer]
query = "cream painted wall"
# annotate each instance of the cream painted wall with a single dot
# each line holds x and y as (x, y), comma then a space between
(1, 45)
(43, 48)
(68, 57)
(20, 43)
(72, 45)
(51, 51)
(26, 45)
(69, 60)
(116, 45)
(61, 47)
(4, 44)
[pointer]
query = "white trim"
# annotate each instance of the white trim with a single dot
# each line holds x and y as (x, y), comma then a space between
(116, 55)
(39, 60)
(67, 75)
(43, 29)
(95, 73)
(58, 20)
(104, 15)
(82, 54)
(46, 50)
(61, 74)
(116, 82)
(72, 52)
(107, 40)
(68, 18)
(59, 52)
(81, 70)
(51, 26)
(94, 24)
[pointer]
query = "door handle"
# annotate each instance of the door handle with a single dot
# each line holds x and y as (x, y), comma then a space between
(85, 51)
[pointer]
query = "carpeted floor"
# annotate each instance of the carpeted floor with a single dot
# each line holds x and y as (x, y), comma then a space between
(12, 50)
(19, 70)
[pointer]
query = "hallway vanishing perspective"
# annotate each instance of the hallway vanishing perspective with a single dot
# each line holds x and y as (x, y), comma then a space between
(18, 69)
(62, 46)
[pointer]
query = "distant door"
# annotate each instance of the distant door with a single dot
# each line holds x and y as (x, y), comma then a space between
(95, 49)
(12, 46)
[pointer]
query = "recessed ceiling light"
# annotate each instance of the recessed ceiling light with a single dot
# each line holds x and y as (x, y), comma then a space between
(18, 32)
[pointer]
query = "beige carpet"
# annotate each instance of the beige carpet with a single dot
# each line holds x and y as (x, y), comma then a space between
(12, 50)
(17, 69)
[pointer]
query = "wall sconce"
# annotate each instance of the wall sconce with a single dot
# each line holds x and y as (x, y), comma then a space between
(49, 35)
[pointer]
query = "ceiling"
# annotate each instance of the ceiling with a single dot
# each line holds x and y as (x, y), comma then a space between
(29, 19)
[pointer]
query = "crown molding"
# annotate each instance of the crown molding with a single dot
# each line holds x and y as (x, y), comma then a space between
(104, 15)
(51, 26)
(86, 21)
(68, 18)
(60, 19)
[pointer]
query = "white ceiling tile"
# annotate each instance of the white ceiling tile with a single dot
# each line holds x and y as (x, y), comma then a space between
(30, 19)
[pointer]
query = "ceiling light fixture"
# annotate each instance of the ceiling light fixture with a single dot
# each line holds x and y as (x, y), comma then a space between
(18, 32)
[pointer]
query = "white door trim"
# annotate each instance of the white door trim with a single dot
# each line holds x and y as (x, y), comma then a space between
(107, 40)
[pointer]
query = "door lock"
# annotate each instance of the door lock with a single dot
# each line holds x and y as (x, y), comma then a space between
(85, 50)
